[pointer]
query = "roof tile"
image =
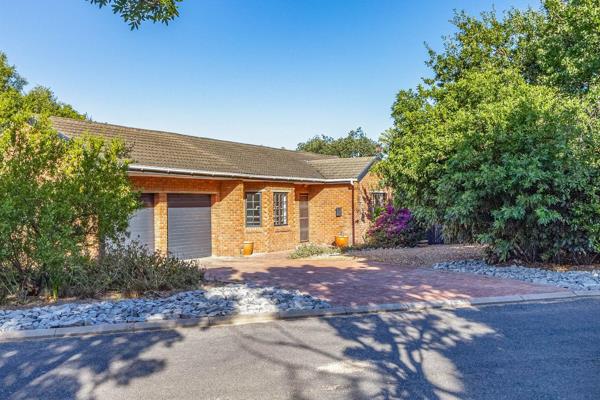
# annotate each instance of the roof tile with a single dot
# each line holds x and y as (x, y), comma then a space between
(160, 149)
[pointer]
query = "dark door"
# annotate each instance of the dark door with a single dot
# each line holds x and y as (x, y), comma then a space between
(141, 223)
(189, 225)
(304, 217)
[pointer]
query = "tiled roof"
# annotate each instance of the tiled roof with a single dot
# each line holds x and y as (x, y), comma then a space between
(342, 168)
(158, 150)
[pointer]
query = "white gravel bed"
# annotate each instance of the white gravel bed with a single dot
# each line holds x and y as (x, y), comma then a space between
(574, 280)
(214, 301)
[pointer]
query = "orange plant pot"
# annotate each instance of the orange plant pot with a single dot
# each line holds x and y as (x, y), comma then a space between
(247, 248)
(341, 241)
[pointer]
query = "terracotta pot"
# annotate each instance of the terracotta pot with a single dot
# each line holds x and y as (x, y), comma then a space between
(341, 241)
(247, 248)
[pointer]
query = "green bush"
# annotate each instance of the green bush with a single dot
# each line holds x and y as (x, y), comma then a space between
(500, 143)
(512, 165)
(127, 269)
(311, 250)
(133, 269)
(56, 196)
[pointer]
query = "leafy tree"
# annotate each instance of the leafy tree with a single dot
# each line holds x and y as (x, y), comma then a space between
(556, 45)
(355, 144)
(566, 49)
(134, 12)
(38, 100)
(56, 195)
(502, 144)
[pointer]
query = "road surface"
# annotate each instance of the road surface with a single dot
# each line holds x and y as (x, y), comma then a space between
(522, 351)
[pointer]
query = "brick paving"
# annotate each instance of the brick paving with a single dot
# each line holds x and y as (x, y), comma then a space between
(354, 281)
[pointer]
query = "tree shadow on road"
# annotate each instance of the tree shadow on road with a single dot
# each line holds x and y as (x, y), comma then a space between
(70, 368)
(517, 351)
(382, 356)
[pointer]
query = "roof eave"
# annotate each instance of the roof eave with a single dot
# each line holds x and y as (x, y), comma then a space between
(203, 173)
(367, 168)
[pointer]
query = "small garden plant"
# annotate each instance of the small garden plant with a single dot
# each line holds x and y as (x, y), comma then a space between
(312, 250)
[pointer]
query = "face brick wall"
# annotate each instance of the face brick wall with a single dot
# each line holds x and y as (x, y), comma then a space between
(324, 225)
(229, 229)
(269, 237)
(227, 217)
(363, 201)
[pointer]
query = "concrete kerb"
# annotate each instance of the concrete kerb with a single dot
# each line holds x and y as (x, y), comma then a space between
(242, 319)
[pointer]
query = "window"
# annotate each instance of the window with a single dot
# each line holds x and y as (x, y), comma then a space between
(378, 202)
(253, 209)
(280, 210)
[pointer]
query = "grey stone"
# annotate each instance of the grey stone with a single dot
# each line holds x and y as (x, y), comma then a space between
(241, 299)
(573, 280)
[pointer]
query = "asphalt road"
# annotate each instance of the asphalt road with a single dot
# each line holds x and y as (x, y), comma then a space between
(525, 351)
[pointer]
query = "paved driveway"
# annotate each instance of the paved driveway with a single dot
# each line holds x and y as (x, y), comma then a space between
(349, 281)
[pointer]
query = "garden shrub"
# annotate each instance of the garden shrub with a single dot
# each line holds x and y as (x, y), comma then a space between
(60, 198)
(512, 165)
(57, 197)
(132, 268)
(500, 143)
(126, 269)
(394, 227)
(311, 250)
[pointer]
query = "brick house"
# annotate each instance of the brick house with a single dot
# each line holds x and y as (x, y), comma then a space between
(206, 197)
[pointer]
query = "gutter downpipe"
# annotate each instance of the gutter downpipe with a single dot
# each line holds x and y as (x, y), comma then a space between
(353, 219)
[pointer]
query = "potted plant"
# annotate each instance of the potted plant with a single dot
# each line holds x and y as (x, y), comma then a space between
(341, 240)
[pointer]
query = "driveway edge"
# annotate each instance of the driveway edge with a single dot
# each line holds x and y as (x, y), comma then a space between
(228, 320)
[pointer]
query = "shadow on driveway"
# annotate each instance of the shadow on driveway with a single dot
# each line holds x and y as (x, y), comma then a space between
(359, 282)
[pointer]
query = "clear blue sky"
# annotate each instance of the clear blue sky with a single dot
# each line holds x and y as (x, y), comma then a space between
(266, 72)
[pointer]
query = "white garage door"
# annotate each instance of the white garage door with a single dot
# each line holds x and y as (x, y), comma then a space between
(141, 223)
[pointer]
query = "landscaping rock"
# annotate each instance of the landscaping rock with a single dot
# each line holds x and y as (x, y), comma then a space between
(214, 301)
(574, 280)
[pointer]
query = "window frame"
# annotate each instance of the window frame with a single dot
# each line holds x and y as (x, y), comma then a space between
(253, 224)
(280, 208)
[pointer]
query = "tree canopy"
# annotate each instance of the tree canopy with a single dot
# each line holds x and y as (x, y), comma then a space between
(556, 45)
(355, 144)
(38, 100)
(501, 144)
(134, 12)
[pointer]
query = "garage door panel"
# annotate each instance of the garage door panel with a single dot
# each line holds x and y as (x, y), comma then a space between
(141, 224)
(189, 229)
(188, 200)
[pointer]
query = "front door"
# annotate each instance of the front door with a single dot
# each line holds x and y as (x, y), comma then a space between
(304, 217)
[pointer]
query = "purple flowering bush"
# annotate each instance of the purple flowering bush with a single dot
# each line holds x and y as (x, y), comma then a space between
(394, 227)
